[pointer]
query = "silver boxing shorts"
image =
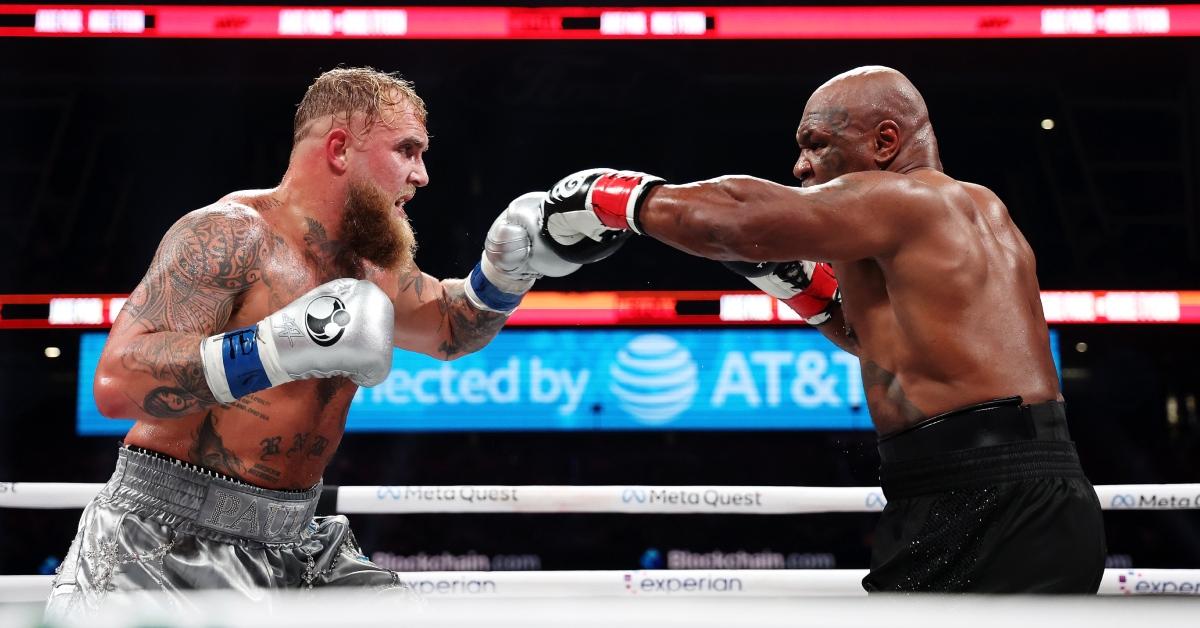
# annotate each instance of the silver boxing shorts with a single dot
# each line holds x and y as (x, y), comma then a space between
(164, 526)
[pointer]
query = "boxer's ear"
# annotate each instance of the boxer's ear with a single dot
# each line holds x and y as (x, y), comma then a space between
(885, 142)
(337, 147)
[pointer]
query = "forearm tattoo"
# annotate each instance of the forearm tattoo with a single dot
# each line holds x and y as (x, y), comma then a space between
(204, 262)
(469, 329)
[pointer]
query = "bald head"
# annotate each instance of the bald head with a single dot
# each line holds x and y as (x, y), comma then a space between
(881, 107)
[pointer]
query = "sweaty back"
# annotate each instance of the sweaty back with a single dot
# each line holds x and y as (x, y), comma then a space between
(954, 317)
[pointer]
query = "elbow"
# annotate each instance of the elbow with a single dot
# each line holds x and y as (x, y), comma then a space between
(108, 390)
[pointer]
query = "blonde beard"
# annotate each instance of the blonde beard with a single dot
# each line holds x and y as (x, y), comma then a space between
(372, 230)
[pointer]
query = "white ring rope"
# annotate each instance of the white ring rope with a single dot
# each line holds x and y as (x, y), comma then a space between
(721, 583)
(760, 500)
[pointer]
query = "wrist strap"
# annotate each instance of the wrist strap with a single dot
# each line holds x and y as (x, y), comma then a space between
(239, 362)
(484, 295)
(616, 197)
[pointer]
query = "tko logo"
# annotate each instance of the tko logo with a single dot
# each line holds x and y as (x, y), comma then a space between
(8, 487)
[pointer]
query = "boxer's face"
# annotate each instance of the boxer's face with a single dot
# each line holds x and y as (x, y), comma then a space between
(394, 156)
(382, 181)
(831, 144)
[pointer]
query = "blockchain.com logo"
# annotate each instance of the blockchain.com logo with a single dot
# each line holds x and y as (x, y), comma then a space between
(654, 378)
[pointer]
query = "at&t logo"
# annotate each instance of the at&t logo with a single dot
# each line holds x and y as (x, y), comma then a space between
(654, 378)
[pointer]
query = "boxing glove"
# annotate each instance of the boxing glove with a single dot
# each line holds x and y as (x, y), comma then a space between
(600, 205)
(515, 254)
(809, 288)
(343, 327)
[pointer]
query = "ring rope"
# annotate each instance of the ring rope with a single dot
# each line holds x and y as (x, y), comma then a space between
(672, 583)
(761, 500)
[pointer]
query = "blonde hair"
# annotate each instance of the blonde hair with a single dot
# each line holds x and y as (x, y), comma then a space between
(344, 92)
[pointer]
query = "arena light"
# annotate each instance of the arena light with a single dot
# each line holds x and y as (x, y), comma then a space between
(641, 308)
(717, 22)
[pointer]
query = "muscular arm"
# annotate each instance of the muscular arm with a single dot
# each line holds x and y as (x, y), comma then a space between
(856, 216)
(835, 330)
(435, 318)
(151, 367)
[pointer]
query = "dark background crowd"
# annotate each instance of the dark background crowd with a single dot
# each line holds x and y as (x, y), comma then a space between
(107, 142)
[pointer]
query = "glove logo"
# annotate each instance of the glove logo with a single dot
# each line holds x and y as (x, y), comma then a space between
(326, 319)
(654, 378)
(571, 184)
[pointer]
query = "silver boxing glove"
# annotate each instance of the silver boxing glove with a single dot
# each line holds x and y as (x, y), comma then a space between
(515, 254)
(343, 327)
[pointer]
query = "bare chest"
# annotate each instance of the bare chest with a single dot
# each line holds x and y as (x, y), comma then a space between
(286, 275)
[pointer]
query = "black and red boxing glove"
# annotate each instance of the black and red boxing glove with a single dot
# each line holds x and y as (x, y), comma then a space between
(589, 210)
(809, 288)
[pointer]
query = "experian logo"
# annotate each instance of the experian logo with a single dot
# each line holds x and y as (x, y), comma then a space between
(451, 586)
(1135, 583)
(654, 378)
(662, 584)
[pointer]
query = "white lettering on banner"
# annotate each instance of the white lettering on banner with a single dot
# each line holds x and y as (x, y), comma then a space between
(772, 360)
(811, 387)
(472, 386)
(812, 384)
(854, 385)
(548, 385)
(448, 385)
(735, 379)
(768, 378)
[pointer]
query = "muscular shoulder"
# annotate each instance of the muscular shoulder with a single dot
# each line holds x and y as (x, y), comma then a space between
(899, 191)
(220, 245)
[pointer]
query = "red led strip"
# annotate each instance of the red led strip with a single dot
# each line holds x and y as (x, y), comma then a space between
(274, 22)
(644, 308)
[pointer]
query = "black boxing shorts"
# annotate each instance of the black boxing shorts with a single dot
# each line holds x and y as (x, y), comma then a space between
(988, 498)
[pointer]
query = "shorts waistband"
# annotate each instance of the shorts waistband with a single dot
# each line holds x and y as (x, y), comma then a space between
(984, 424)
(210, 500)
(980, 467)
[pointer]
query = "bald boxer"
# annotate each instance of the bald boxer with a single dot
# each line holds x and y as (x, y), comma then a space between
(928, 281)
(240, 351)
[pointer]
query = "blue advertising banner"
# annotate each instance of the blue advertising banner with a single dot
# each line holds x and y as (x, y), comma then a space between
(599, 379)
